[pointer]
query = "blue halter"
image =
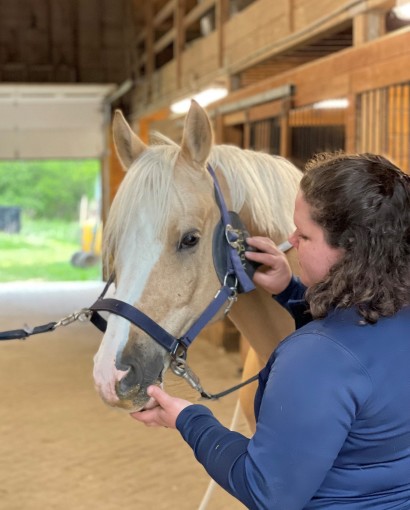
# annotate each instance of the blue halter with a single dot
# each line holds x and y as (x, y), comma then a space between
(237, 279)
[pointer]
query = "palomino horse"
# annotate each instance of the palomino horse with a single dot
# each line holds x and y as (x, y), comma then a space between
(158, 240)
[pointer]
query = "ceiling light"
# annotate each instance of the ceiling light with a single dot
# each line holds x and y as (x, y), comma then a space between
(204, 98)
(331, 104)
(402, 9)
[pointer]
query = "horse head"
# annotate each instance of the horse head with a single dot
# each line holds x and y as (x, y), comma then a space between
(158, 243)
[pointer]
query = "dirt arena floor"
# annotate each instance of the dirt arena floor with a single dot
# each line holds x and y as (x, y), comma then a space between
(61, 448)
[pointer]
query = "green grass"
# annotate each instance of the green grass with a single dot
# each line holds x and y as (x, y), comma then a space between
(42, 251)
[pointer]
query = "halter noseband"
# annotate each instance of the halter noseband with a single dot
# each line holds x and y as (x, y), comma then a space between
(234, 272)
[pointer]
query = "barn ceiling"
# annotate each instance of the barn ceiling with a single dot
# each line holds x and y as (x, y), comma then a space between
(70, 41)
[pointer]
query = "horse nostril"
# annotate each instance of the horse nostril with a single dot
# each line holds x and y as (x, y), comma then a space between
(131, 380)
(141, 367)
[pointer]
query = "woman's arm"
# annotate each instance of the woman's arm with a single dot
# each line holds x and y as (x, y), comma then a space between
(313, 393)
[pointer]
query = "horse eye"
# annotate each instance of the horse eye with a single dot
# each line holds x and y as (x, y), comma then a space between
(189, 240)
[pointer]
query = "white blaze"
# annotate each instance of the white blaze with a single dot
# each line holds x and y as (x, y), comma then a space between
(136, 263)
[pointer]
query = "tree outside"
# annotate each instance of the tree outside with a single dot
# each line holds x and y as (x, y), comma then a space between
(48, 195)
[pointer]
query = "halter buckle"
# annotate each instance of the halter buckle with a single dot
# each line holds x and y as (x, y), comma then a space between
(180, 368)
(232, 236)
(179, 351)
(82, 315)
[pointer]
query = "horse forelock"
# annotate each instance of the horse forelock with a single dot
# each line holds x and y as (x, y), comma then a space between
(149, 186)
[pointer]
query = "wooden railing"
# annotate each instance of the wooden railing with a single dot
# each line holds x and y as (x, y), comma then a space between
(174, 61)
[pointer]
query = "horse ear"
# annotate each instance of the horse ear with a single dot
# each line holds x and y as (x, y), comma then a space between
(127, 144)
(197, 137)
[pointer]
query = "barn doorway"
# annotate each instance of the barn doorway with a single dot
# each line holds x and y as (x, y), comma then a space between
(53, 148)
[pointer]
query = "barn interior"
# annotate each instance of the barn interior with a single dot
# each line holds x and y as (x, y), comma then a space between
(287, 77)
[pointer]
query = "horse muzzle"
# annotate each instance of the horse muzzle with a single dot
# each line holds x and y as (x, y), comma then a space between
(124, 384)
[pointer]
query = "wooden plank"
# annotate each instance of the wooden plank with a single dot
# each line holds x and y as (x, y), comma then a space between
(246, 135)
(311, 12)
(221, 16)
(391, 122)
(353, 70)
(316, 117)
(406, 129)
(149, 42)
(179, 42)
(351, 126)
(198, 11)
(199, 56)
(265, 111)
(232, 119)
(368, 26)
(164, 41)
(167, 10)
(378, 121)
(245, 35)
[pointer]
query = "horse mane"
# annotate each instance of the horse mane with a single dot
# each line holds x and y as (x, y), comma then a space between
(266, 184)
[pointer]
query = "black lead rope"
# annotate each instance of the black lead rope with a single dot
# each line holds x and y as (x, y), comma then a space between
(22, 334)
(216, 396)
(186, 372)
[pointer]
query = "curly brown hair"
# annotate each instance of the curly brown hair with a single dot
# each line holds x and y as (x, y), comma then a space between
(362, 202)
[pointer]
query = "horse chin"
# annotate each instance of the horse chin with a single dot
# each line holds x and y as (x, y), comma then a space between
(136, 399)
(150, 404)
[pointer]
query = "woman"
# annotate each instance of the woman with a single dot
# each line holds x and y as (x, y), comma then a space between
(333, 403)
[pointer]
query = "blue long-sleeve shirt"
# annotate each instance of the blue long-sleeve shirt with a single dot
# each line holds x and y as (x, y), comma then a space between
(333, 419)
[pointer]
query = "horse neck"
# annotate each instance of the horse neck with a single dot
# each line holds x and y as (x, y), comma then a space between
(261, 320)
(258, 317)
(261, 188)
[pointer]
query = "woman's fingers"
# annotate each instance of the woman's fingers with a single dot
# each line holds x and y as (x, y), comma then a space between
(167, 411)
(262, 243)
(149, 417)
(275, 273)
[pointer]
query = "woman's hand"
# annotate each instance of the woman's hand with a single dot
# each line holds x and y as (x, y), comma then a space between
(275, 274)
(166, 412)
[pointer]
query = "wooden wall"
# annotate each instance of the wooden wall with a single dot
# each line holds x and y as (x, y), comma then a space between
(383, 122)
(265, 28)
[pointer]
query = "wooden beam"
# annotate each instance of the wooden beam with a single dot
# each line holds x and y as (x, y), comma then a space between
(167, 11)
(265, 111)
(285, 131)
(141, 37)
(291, 15)
(368, 26)
(198, 11)
(149, 42)
(179, 41)
(222, 16)
(165, 40)
(232, 119)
